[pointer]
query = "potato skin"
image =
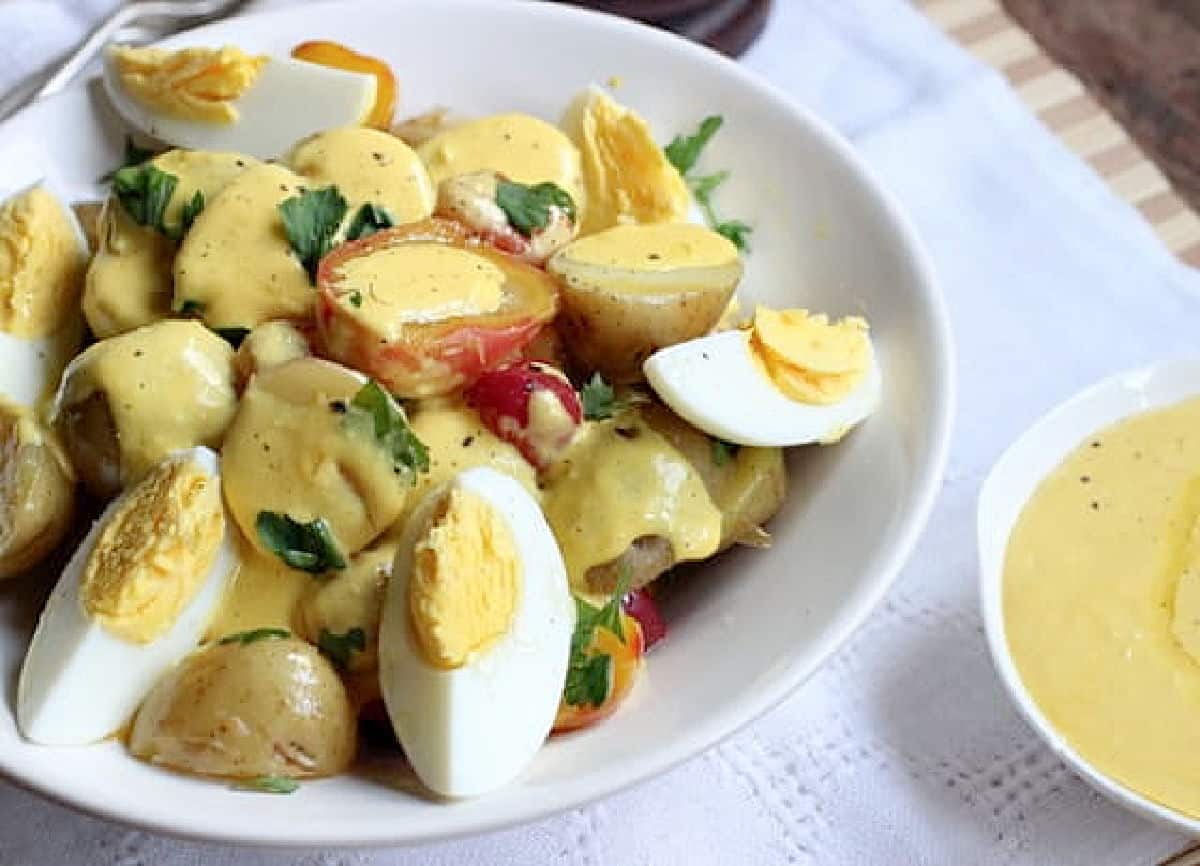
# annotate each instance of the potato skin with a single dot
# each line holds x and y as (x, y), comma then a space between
(748, 488)
(37, 494)
(609, 328)
(272, 707)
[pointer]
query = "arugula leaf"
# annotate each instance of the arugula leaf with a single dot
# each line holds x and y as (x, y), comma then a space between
(232, 336)
(598, 399)
(144, 191)
(187, 216)
(307, 547)
(528, 207)
(256, 634)
(684, 150)
(588, 677)
(723, 452)
(369, 219)
(338, 647)
(373, 408)
(134, 155)
(311, 221)
(268, 785)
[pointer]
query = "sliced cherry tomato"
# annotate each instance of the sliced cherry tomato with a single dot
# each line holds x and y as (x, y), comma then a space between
(623, 673)
(412, 355)
(531, 405)
(338, 56)
(640, 605)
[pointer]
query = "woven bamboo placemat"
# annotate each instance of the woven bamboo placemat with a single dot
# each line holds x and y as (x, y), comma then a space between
(1065, 107)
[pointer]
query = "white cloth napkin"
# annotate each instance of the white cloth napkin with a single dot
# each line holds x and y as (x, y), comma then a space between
(903, 749)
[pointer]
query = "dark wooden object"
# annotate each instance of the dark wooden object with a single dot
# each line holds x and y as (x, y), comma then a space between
(1141, 58)
(729, 26)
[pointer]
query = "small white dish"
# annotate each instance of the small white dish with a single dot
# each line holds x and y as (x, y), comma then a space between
(1009, 486)
(746, 629)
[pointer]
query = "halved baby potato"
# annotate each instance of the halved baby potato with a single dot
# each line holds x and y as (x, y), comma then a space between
(37, 491)
(425, 310)
(631, 290)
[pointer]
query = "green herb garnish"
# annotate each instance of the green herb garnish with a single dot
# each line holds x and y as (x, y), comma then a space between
(723, 452)
(191, 309)
(339, 647)
(307, 547)
(528, 207)
(187, 216)
(311, 221)
(684, 150)
(256, 634)
(588, 674)
(134, 155)
(144, 192)
(232, 336)
(268, 785)
(683, 153)
(369, 219)
(599, 400)
(374, 409)
(356, 299)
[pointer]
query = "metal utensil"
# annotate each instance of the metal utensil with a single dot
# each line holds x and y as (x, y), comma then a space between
(172, 14)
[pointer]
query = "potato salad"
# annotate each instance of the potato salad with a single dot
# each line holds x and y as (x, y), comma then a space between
(322, 424)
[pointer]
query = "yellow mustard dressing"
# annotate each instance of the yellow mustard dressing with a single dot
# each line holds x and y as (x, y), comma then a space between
(129, 280)
(658, 248)
(167, 386)
(42, 265)
(235, 264)
(621, 481)
(419, 282)
(368, 167)
(263, 593)
(1096, 569)
(520, 147)
(199, 84)
(626, 174)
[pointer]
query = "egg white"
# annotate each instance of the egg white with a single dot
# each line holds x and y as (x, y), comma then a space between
(79, 683)
(289, 100)
(713, 383)
(473, 729)
(30, 367)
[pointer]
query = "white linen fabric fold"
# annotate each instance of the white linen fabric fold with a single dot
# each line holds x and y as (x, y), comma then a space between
(903, 749)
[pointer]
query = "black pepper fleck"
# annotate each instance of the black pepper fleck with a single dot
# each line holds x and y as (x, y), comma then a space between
(1085, 479)
(1095, 505)
(338, 406)
(468, 441)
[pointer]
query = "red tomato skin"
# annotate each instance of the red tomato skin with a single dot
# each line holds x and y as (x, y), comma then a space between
(502, 399)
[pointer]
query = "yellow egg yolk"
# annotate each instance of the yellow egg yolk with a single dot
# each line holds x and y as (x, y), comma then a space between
(197, 84)
(154, 553)
(625, 173)
(809, 358)
(465, 583)
(420, 282)
(41, 264)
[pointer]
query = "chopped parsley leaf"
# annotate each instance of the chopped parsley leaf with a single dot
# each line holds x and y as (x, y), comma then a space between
(356, 299)
(256, 634)
(187, 216)
(311, 221)
(528, 207)
(339, 647)
(736, 231)
(191, 309)
(723, 452)
(369, 219)
(588, 674)
(598, 399)
(268, 785)
(307, 547)
(374, 409)
(684, 150)
(134, 155)
(144, 191)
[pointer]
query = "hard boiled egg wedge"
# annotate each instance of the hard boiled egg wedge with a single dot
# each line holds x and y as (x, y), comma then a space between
(43, 259)
(733, 385)
(134, 599)
(475, 634)
(225, 99)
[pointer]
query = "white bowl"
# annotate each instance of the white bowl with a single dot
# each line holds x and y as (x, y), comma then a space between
(747, 630)
(1008, 487)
